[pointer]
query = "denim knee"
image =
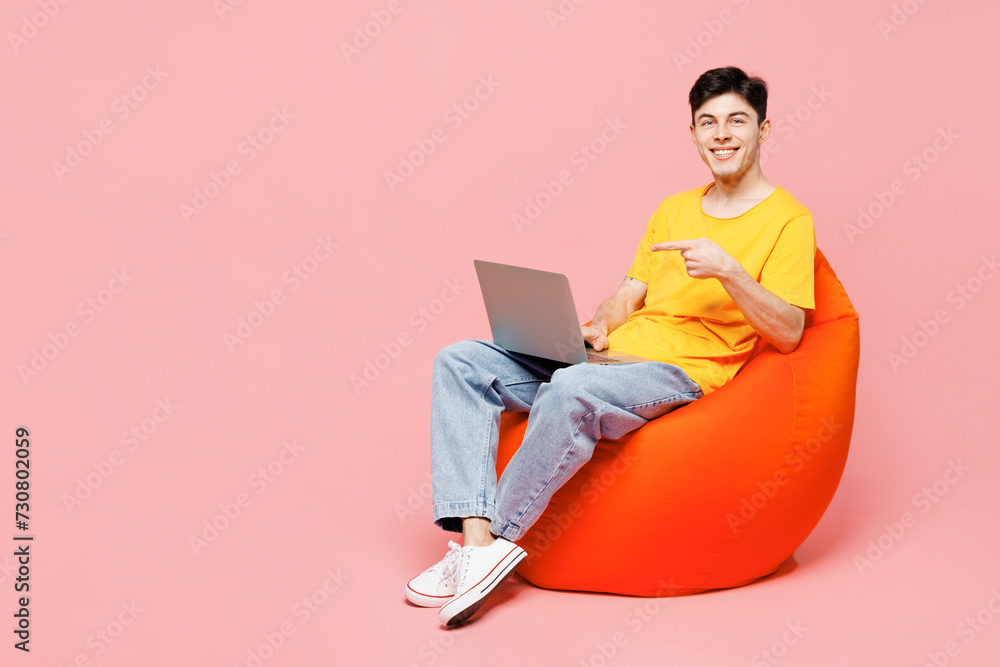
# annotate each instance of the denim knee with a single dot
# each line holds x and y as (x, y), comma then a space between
(456, 355)
(464, 350)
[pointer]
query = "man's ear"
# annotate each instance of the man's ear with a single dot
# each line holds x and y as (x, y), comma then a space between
(765, 130)
(693, 139)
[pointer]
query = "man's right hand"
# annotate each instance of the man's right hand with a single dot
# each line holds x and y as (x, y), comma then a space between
(615, 310)
(598, 338)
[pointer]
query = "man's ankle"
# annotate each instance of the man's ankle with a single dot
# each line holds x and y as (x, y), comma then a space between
(480, 541)
(476, 532)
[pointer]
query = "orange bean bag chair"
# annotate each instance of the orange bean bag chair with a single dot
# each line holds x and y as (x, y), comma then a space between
(717, 493)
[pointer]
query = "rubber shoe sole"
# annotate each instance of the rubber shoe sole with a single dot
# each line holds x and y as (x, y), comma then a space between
(468, 603)
(424, 600)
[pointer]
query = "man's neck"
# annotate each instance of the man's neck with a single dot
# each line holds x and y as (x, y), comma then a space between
(753, 187)
(731, 198)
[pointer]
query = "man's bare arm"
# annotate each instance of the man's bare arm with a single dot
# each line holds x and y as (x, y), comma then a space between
(774, 319)
(629, 297)
(777, 321)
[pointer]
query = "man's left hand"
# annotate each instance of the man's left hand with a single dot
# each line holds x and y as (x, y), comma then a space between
(703, 258)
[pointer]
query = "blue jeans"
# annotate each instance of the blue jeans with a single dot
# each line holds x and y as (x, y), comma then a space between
(571, 408)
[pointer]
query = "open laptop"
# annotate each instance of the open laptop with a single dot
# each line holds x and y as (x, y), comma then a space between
(532, 312)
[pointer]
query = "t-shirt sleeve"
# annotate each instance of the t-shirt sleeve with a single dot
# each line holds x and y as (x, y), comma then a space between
(788, 271)
(642, 262)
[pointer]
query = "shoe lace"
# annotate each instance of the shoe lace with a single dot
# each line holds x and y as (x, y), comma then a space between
(447, 568)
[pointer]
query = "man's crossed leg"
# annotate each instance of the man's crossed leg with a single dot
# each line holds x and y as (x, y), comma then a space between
(571, 408)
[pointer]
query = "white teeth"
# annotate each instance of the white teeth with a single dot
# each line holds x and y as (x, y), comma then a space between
(725, 153)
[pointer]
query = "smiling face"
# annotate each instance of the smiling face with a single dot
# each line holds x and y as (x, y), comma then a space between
(728, 137)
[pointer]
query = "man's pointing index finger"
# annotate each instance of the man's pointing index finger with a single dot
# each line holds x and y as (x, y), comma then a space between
(673, 245)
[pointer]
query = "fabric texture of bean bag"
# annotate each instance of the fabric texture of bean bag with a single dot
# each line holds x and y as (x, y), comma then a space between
(719, 492)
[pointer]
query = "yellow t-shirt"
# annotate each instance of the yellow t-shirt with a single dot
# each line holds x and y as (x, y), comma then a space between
(693, 322)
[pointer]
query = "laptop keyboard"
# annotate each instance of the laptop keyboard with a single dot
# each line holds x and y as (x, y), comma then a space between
(600, 358)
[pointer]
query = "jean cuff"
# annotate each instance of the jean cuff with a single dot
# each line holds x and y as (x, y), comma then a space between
(508, 531)
(449, 515)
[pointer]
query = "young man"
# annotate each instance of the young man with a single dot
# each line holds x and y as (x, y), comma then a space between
(718, 267)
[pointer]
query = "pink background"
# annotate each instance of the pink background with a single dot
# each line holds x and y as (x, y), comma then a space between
(340, 501)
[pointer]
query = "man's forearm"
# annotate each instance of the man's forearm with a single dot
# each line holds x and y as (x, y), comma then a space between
(611, 314)
(774, 319)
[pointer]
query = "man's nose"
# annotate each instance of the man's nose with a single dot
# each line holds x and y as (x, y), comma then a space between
(722, 131)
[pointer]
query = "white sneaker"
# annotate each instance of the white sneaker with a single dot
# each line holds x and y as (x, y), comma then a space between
(482, 570)
(437, 584)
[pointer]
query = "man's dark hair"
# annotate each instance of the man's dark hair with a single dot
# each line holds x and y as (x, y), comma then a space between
(724, 80)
